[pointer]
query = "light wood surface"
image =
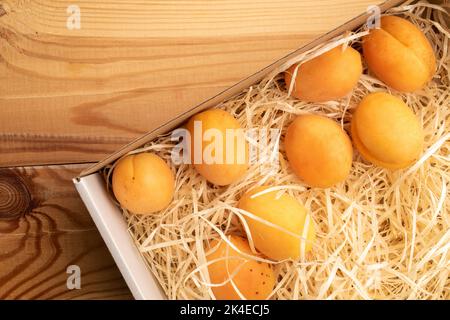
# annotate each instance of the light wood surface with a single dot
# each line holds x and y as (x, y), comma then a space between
(72, 96)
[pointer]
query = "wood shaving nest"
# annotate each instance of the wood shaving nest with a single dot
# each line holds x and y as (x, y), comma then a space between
(381, 234)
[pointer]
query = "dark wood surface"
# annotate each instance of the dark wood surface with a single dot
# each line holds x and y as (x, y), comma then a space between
(44, 228)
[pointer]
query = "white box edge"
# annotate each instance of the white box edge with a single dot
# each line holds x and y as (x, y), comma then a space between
(114, 231)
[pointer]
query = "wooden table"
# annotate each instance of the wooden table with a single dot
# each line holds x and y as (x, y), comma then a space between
(70, 96)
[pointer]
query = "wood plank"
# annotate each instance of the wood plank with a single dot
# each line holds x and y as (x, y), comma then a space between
(44, 228)
(77, 95)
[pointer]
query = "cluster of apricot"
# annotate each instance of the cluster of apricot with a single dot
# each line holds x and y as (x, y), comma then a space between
(384, 130)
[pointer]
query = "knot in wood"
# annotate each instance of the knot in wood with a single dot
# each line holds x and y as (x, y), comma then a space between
(15, 197)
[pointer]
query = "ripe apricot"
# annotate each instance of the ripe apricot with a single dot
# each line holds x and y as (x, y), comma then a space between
(386, 131)
(330, 76)
(143, 183)
(399, 54)
(255, 280)
(318, 150)
(229, 156)
(283, 211)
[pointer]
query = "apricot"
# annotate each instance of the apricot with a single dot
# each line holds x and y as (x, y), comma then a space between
(318, 150)
(254, 280)
(399, 54)
(222, 160)
(143, 183)
(286, 213)
(330, 76)
(386, 132)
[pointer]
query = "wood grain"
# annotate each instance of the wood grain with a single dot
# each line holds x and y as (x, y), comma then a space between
(77, 95)
(44, 228)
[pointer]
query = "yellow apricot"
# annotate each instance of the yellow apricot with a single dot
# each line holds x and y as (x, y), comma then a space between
(318, 150)
(143, 183)
(386, 131)
(399, 54)
(255, 280)
(292, 230)
(229, 167)
(330, 76)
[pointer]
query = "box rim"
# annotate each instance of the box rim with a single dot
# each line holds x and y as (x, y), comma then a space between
(109, 221)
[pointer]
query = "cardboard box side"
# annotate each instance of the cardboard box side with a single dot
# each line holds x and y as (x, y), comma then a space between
(233, 90)
(114, 230)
